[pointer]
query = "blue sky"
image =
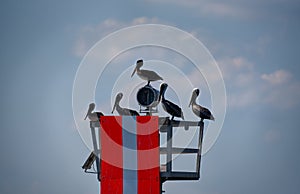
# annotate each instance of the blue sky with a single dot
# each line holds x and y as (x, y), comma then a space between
(255, 44)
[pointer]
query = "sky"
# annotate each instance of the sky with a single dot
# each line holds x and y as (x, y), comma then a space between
(255, 44)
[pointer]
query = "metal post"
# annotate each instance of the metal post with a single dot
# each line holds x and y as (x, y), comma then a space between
(96, 150)
(199, 147)
(169, 148)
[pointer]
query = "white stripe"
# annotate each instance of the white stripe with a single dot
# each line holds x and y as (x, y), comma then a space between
(129, 155)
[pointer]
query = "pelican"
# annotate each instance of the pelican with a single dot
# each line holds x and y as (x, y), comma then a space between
(123, 111)
(145, 74)
(198, 110)
(93, 116)
(168, 106)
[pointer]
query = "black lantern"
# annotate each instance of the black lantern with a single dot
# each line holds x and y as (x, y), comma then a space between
(148, 97)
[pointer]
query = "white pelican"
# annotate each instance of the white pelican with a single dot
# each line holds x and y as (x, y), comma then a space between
(93, 116)
(145, 74)
(123, 111)
(168, 106)
(198, 110)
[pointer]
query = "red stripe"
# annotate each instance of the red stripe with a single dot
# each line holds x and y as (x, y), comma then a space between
(111, 155)
(148, 155)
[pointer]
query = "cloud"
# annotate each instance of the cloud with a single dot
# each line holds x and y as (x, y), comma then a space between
(237, 69)
(284, 95)
(222, 9)
(238, 10)
(232, 9)
(281, 89)
(278, 77)
(246, 87)
(89, 35)
(240, 62)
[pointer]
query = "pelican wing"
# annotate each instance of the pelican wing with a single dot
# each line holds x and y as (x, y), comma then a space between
(202, 112)
(172, 108)
(150, 75)
(99, 114)
(205, 112)
(134, 113)
(128, 112)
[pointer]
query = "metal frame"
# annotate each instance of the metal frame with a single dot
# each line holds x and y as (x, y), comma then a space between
(165, 126)
(93, 125)
(148, 110)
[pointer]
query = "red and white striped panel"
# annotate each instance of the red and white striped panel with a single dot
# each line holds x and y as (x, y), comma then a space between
(129, 155)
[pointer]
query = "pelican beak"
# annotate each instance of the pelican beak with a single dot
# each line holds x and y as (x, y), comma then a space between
(133, 72)
(162, 91)
(114, 107)
(192, 98)
(160, 94)
(91, 108)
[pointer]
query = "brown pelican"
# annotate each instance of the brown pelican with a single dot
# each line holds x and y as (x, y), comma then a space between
(145, 74)
(168, 106)
(198, 110)
(93, 116)
(123, 111)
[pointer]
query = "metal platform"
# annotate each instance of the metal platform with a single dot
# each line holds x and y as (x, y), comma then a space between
(165, 126)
